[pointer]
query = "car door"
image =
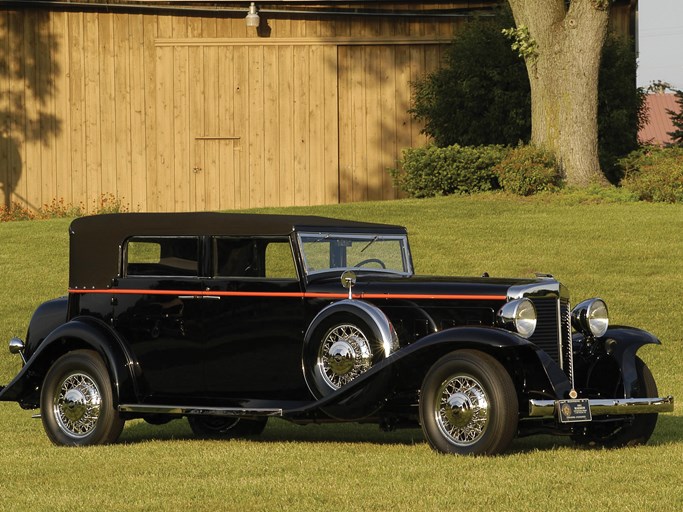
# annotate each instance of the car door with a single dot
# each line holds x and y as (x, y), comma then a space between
(158, 310)
(254, 320)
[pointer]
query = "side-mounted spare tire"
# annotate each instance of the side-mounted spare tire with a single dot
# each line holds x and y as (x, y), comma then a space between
(343, 342)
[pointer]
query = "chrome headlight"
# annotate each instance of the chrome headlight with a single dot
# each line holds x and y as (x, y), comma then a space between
(591, 318)
(519, 315)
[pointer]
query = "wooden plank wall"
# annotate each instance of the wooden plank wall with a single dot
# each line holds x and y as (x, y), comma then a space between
(181, 113)
(256, 124)
(173, 113)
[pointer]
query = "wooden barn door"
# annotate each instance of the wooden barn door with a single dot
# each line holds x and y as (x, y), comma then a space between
(246, 125)
(374, 123)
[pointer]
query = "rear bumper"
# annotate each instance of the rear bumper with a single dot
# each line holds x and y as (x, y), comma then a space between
(603, 407)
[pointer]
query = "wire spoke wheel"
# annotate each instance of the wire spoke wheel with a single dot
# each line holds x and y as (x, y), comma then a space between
(344, 354)
(461, 412)
(468, 404)
(77, 405)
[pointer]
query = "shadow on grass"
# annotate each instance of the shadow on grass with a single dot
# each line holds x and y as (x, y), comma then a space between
(278, 431)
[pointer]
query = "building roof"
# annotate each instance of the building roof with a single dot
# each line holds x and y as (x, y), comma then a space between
(658, 122)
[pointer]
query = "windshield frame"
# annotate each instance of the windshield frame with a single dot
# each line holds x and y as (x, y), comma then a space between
(367, 238)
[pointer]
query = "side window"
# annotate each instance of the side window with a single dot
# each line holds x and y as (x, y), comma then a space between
(279, 261)
(167, 256)
(253, 257)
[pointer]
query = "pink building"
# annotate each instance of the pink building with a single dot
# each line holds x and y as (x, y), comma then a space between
(658, 123)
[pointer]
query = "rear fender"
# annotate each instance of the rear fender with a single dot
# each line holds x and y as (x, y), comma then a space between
(79, 333)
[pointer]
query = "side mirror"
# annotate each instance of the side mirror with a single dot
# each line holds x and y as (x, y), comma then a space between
(348, 280)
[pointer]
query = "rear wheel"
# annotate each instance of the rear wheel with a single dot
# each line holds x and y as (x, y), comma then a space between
(468, 404)
(76, 402)
(212, 427)
(633, 431)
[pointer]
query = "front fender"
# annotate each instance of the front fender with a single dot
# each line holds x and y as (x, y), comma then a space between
(79, 333)
(500, 343)
(410, 363)
(372, 315)
(621, 343)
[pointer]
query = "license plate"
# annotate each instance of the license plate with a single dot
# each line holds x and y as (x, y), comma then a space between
(570, 411)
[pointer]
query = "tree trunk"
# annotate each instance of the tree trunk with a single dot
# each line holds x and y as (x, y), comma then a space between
(563, 73)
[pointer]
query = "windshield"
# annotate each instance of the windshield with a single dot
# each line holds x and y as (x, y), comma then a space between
(323, 252)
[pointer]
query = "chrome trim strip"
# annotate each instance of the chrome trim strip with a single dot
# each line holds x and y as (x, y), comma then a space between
(560, 341)
(602, 407)
(198, 411)
(566, 347)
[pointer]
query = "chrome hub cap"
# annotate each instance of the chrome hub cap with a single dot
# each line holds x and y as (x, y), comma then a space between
(462, 410)
(77, 405)
(341, 357)
(344, 354)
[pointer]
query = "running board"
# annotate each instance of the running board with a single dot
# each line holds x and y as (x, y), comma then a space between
(180, 410)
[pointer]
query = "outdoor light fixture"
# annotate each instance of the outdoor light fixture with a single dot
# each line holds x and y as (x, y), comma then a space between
(253, 19)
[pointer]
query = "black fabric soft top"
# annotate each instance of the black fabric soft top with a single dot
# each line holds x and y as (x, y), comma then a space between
(95, 241)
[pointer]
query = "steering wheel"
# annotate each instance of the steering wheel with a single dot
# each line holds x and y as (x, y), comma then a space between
(371, 260)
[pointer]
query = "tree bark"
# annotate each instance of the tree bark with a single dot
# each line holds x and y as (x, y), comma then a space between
(563, 74)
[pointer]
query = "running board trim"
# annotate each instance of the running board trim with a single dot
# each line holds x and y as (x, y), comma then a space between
(181, 410)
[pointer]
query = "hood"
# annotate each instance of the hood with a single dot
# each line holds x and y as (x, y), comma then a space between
(378, 285)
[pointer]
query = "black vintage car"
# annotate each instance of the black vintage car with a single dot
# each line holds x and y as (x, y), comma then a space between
(229, 319)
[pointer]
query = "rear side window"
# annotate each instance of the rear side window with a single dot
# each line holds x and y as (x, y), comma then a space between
(164, 256)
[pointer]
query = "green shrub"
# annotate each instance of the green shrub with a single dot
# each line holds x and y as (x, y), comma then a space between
(527, 170)
(432, 171)
(654, 174)
(480, 95)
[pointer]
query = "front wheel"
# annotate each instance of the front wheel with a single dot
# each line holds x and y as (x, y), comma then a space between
(632, 431)
(76, 402)
(468, 405)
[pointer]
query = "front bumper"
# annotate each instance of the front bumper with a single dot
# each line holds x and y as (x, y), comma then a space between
(604, 407)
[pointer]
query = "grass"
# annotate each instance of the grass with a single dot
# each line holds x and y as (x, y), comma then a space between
(628, 253)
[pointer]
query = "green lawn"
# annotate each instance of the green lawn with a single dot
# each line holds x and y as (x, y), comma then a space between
(630, 254)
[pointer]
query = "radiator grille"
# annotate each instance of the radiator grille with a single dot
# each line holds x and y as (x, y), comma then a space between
(553, 331)
(546, 334)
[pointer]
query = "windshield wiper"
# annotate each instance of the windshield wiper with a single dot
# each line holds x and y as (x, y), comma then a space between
(370, 243)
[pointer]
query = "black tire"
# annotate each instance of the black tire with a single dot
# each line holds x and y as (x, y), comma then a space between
(635, 430)
(468, 405)
(76, 401)
(354, 335)
(217, 427)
